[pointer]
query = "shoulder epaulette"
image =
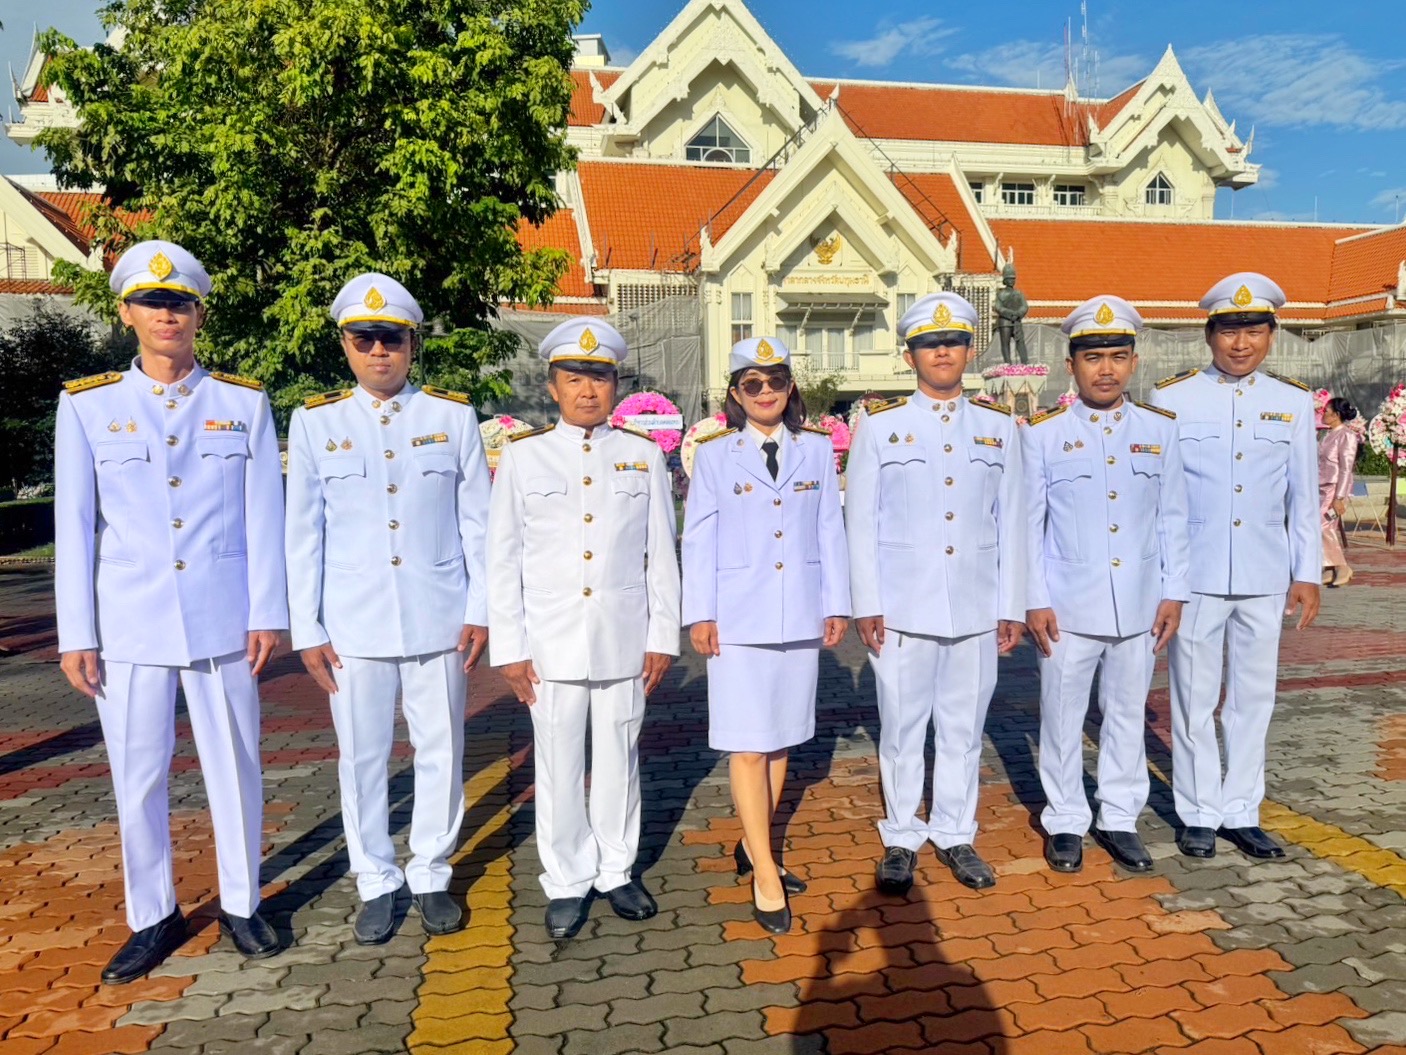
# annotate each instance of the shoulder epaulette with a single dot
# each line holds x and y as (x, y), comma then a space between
(717, 436)
(542, 431)
(322, 399)
(888, 404)
(1045, 415)
(235, 379)
(998, 407)
(445, 393)
(815, 429)
(1289, 380)
(636, 432)
(1156, 410)
(83, 384)
(1166, 381)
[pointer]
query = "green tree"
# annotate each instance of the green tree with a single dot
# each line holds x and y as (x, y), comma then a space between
(290, 144)
(38, 353)
(818, 388)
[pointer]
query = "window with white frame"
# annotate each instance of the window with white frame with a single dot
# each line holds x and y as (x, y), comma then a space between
(1070, 194)
(741, 316)
(864, 337)
(718, 142)
(826, 346)
(1159, 191)
(904, 302)
(978, 190)
(1018, 193)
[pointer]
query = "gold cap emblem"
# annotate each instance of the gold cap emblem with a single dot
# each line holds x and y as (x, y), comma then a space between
(374, 300)
(160, 266)
(588, 342)
(1104, 315)
(942, 316)
(1243, 297)
(765, 352)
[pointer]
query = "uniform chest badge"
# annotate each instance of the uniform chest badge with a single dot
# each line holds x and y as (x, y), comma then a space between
(113, 426)
(331, 445)
(347, 444)
(806, 485)
(223, 426)
(908, 438)
(434, 437)
(1276, 415)
(988, 441)
(1145, 448)
(632, 467)
(737, 489)
(893, 437)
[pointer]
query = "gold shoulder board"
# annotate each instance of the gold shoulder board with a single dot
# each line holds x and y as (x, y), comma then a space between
(814, 429)
(324, 398)
(888, 404)
(83, 384)
(1053, 412)
(1167, 381)
(1288, 380)
(1156, 410)
(717, 436)
(535, 432)
(1000, 407)
(235, 379)
(445, 393)
(636, 432)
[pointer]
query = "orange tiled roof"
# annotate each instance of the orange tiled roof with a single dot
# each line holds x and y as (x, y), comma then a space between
(1368, 264)
(559, 232)
(584, 109)
(31, 286)
(645, 216)
(66, 210)
(962, 115)
(942, 191)
(1070, 260)
(1357, 309)
(1111, 109)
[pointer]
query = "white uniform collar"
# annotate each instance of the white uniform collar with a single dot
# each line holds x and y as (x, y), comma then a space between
(1216, 376)
(926, 402)
(177, 389)
(578, 434)
(376, 405)
(759, 437)
(1084, 412)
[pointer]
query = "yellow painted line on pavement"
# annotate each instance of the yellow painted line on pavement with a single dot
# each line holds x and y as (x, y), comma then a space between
(466, 986)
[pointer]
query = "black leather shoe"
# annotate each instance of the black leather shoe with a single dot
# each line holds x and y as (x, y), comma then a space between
(1125, 848)
(1064, 852)
(967, 866)
(376, 921)
(1252, 841)
(565, 915)
(252, 936)
(1197, 842)
(895, 870)
(146, 949)
(439, 912)
(778, 921)
(631, 901)
(791, 884)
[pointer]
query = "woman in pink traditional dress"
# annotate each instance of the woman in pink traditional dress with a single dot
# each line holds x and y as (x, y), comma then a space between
(1337, 451)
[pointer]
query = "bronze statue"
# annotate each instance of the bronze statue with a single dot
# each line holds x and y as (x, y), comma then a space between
(1011, 307)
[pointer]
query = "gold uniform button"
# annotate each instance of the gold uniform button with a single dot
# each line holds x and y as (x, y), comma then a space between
(586, 480)
(171, 404)
(1093, 417)
(947, 448)
(385, 419)
(180, 565)
(171, 441)
(949, 516)
(951, 406)
(1107, 431)
(375, 404)
(778, 565)
(588, 518)
(1239, 455)
(951, 550)
(178, 523)
(395, 562)
(174, 481)
(586, 592)
(390, 455)
(586, 555)
(184, 390)
(1117, 563)
(946, 418)
(948, 481)
(395, 405)
(586, 448)
(391, 489)
(1112, 460)
(158, 390)
(1239, 488)
(393, 525)
(1113, 528)
(1236, 523)
(777, 534)
(1239, 424)
(776, 501)
(1112, 496)
(1239, 392)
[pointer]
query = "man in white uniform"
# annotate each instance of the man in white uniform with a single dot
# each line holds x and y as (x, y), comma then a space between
(936, 525)
(583, 607)
(168, 509)
(387, 513)
(1106, 498)
(1247, 441)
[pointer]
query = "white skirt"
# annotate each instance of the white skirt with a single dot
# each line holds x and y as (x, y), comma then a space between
(762, 697)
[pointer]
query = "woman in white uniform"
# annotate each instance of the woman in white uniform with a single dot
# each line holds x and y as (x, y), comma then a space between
(765, 586)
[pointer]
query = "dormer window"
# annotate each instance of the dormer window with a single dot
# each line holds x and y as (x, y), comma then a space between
(717, 142)
(1159, 191)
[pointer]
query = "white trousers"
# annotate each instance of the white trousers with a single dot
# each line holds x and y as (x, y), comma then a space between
(947, 682)
(1247, 630)
(137, 708)
(583, 847)
(433, 690)
(1124, 666)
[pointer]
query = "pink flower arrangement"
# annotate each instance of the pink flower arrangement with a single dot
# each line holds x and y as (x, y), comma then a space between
(1387, 431)
(496, 433)
(1016, 370)
(649, 403)
(839, 432)
(697, 432)
(1320, 403)
(1066, 399)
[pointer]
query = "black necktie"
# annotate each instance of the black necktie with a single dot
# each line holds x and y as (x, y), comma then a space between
(772, 465)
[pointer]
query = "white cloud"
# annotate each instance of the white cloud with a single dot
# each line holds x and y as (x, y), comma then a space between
(890, 40)
(1269, 178)
(1298, 80)
(623, 55)
(1040, 64)
(1391, 200)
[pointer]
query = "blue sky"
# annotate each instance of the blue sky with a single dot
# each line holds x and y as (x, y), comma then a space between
(1324, 85)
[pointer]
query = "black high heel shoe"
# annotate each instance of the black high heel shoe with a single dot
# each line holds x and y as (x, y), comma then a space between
(791, 884)
(776, 921)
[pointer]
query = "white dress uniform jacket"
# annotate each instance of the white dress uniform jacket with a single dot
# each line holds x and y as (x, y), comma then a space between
(387, 517)
(934, 511)
(1251, 467)
(745, 527)
(582, 574)
(182, 484)
(1106, 499)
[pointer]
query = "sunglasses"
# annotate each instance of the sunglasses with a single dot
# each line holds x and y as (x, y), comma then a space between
(753, 385)
(164, 301)
(392, 339)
